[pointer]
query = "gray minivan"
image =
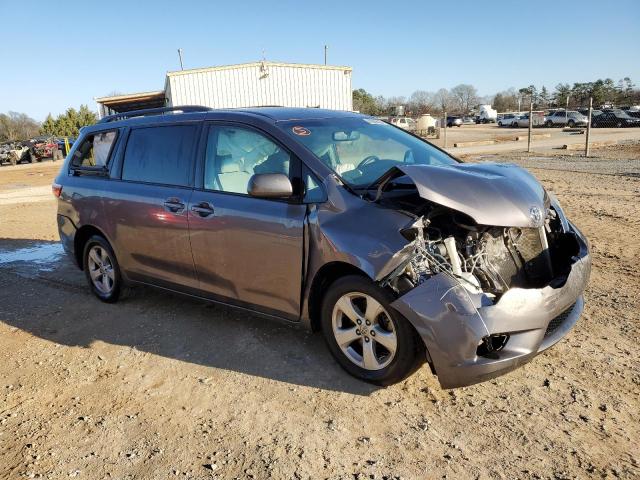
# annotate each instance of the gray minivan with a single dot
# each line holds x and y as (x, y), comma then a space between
(396, 251)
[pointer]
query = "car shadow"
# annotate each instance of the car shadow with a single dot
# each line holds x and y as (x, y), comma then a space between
(43, 293)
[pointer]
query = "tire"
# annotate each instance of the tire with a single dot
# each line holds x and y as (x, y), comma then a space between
(499, 124)
(571, 124)
(102, 270)
(549, 124)
(13, 159)
(514, 124)
(386, 366)
(619, 125)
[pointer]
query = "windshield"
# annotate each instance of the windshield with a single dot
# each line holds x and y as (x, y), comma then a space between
(361, 149)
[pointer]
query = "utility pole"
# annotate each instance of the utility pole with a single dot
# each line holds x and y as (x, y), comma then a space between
(586, 147)
(445, 128)
(180, 55)
(530, 124)
(326, 47)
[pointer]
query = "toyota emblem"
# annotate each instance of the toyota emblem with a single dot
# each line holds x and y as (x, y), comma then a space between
(536, 216)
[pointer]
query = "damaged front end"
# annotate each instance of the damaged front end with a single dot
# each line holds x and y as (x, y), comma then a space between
(486, 289)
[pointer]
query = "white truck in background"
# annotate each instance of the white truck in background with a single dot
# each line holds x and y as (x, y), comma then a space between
(487, 114)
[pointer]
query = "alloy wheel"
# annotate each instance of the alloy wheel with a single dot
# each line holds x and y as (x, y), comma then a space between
(101, 270)
(364, 331)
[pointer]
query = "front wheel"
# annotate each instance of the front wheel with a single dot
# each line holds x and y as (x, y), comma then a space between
(102, 270)
(367, 337)
(571, 124)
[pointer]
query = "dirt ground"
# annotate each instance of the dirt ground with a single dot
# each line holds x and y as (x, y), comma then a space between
(161, 386)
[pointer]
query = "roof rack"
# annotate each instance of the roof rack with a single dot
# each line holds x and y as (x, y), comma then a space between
(153, 111)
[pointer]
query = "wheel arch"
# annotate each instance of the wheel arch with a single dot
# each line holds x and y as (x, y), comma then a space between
(83, 234)
(324, 277)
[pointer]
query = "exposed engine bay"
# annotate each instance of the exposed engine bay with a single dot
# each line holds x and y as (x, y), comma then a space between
(484, 259)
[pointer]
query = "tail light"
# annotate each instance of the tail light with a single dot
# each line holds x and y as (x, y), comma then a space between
(56, 188)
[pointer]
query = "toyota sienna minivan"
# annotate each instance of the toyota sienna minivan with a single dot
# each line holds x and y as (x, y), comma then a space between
(396, 251)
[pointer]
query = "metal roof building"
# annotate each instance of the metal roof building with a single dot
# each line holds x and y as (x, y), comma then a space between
(245, 85)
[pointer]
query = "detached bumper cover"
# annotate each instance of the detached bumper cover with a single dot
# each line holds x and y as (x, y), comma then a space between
(452, 322)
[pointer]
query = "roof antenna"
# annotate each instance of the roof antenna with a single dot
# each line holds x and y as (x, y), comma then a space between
(180, 55)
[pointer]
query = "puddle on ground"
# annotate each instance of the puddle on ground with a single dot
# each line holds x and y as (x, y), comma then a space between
(44, 255)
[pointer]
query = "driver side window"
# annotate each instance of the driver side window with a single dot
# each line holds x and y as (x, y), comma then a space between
(235, 154)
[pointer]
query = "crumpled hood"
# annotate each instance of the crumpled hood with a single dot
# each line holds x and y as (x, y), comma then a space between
(502, 195)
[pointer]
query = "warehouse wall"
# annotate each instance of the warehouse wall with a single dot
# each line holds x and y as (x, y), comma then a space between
(262, 84)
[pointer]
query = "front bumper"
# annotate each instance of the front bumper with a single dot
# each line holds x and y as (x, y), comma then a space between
(452, 322)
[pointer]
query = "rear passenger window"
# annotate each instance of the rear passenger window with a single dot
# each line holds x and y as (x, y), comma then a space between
(160, 155)
(235, 154)
(94, 150)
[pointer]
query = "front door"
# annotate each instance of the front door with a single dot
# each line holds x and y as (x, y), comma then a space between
(247, 250)
(147, 208)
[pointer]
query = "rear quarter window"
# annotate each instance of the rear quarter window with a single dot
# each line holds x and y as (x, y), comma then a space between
(161, 155)
(95, 150)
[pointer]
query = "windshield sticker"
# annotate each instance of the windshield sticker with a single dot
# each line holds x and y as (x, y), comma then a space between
(303, 132)
(373, 121)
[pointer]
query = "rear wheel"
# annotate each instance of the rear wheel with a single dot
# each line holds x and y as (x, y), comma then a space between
(619, 125)
(549, 124)
(571, 124)
(514, 124)
(102, 270)
(367, 337)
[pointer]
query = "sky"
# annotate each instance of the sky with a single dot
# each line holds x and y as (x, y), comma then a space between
(90, 49)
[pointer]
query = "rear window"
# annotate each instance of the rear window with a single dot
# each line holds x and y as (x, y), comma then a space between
(160, 155)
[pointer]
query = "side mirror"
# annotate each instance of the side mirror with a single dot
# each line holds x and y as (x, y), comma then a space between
(270, 185)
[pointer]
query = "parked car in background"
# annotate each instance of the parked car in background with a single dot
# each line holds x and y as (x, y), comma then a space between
(508, 119)
(396, 251)
(616, 118)
(454, 121)
(405, 123)
(468, 120)
(523, 120)
(594, 112)
(563, 118)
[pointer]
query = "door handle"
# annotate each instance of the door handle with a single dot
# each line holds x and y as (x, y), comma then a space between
(203, 209)
(174, 205)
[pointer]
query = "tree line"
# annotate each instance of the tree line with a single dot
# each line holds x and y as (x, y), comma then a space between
(16, 126)
(463, 99)
(69, 123)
